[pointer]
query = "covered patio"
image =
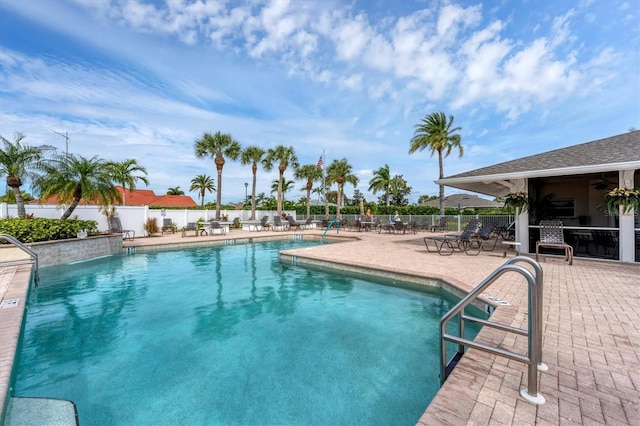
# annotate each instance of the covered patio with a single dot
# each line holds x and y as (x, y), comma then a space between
(570, 184)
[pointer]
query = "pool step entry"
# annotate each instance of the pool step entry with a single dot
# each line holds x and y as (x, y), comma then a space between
(33, 256)
(533, 358)
(41, 411)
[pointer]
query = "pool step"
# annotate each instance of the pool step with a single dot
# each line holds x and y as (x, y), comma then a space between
(41, 411)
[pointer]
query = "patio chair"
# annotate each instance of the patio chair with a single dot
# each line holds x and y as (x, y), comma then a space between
(115, 226)
(605, 239)
(277, 223)
(440, 224)
(292, 223)
(167, 225)
(264, 223)
(191, 226)
(412, 227)
(388, 226)
(216, 226)
(307, 223)
(399, 226)
(552, 236)
(358, 226)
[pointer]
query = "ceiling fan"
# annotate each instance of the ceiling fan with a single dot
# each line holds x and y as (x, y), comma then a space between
(603, 183)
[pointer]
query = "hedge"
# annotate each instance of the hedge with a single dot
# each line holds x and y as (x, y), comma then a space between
(40, 229)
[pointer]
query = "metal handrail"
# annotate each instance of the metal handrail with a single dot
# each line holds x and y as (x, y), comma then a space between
(32, 255)
(331, 223)
(534, 332)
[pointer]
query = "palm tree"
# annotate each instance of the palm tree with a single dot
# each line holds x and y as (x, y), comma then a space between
(16, 160)
(287, 185)
(435, 132)
(71, 179)
(381, 181)
(285, 156)
(260, 198)
(339, 171)
(252, 155)
(311, 173)
(175, 191)
(218, 146)
(202, 183)
(123, 173)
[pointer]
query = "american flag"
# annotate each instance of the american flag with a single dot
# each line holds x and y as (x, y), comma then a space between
(320, 163)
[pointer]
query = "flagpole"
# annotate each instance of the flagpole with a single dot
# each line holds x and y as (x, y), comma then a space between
(324, 185)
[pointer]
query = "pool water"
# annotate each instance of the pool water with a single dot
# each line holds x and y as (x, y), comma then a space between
(230, 336)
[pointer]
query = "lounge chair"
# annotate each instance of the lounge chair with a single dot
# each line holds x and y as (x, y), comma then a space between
(467, 241)
(215, 226)
(191, 226)
(485, 235)
(508, 232)
(552, 236)
(115, 226)
(308, 224)
(264, 223)
(277, 223)
(292, 223)
(167, 225)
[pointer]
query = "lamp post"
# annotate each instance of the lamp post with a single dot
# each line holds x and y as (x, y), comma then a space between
(66, 140)
(246, 186)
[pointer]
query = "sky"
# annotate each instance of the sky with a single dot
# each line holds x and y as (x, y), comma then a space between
(145, 79)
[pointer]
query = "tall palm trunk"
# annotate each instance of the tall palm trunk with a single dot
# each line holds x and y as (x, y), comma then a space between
(254, 169)
(219, 165)
(441, 175)
(280, 195)
(340, 182)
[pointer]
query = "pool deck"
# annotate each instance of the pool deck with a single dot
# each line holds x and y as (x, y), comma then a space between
(591, 338)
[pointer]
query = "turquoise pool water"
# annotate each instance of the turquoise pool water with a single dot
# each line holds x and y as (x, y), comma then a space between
(229, 336)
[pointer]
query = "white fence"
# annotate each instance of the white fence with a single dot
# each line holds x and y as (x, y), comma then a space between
(132, 217)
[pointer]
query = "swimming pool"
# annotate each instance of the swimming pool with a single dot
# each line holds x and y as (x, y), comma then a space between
(229, 335)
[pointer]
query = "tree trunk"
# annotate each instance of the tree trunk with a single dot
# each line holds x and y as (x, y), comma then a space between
(279, 201)
(219, 165)
(254, 169)
(70, 209)
(441, 175)
(22, 213)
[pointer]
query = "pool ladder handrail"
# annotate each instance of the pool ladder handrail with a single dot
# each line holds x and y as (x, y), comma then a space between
(33, 256)
(331, 223)
(534, 332)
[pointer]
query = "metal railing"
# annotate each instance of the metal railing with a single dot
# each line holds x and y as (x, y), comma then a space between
(534, 332)
(33, 256)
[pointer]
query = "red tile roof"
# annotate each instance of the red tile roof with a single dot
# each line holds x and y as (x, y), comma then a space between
(142, 197)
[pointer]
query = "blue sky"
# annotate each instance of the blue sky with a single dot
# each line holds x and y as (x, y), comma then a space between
(144, 79)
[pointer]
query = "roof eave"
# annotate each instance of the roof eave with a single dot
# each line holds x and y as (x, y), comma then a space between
(491, 184)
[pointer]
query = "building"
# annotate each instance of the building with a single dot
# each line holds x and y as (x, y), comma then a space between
(570, 184)
(140, 197)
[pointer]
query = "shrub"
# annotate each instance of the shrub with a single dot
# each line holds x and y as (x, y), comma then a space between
(151, 226)
(40, 229)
